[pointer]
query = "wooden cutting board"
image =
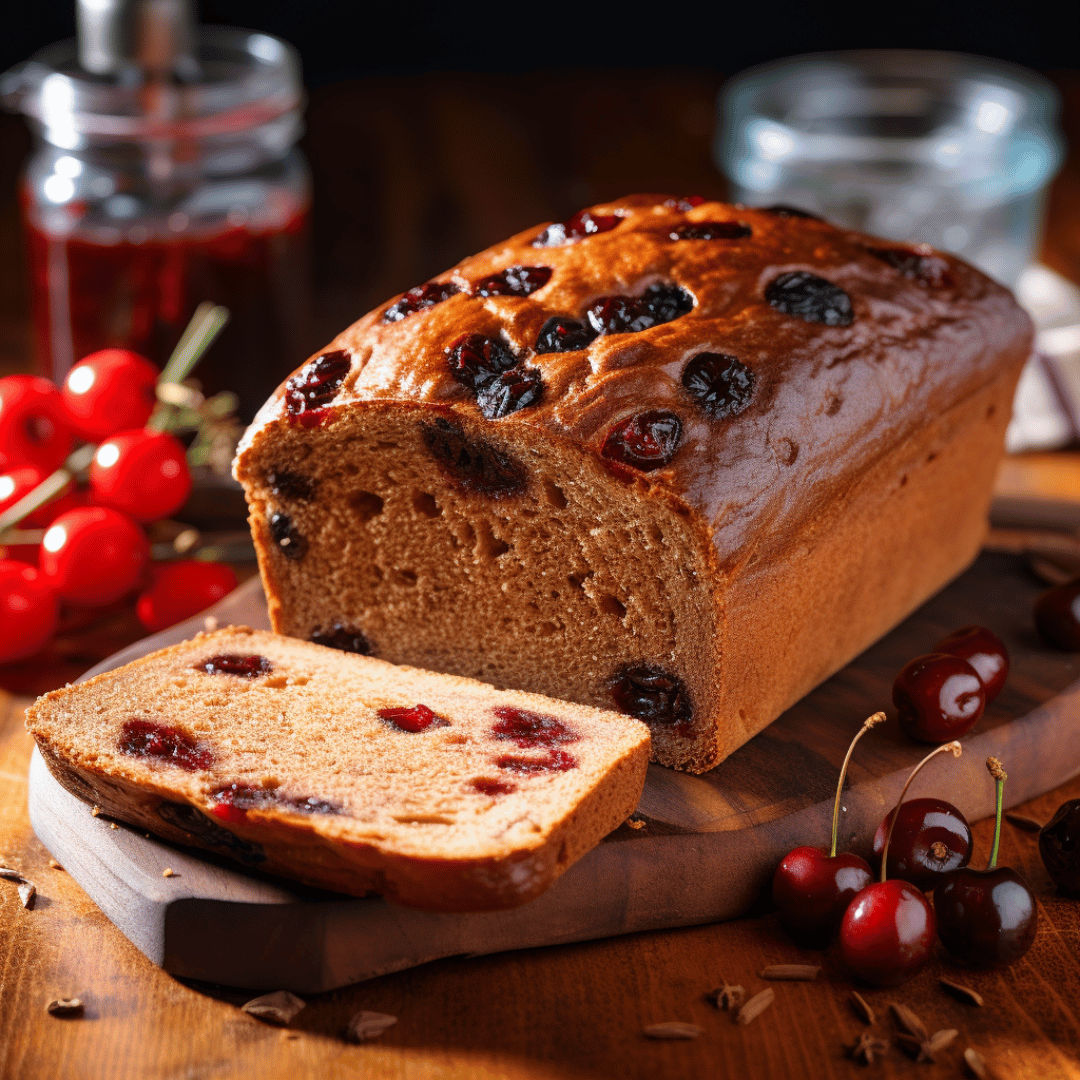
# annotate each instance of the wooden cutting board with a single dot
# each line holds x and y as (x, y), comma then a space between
(707, 851)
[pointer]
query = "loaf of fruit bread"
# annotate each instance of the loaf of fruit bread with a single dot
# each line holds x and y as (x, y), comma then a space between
(346, 772)
(673, 457)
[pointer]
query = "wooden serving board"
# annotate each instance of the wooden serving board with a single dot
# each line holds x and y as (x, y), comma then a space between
(706, 853)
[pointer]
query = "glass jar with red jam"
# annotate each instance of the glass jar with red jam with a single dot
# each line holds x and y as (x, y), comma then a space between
(149, 194)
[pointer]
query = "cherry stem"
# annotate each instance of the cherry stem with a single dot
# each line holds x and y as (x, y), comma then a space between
(1000, 776)
(956, 750)
(870, 721)
(48, 489)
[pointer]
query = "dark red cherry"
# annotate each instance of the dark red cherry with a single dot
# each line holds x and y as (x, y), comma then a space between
(887, 933)
(939, 697)
(473, 464)
(511, 392)
(652, 695)
(812, 890)
(563, 335)
(922, 266)
(721, 385)
(345, 638)
(1057, 616)
(931, 839)
(419, 298)
(646, 441)
(170, 745)
(526, 728)
(316, 385)
(514, 281)
(583, 223)
(666, 302)
(810, 298)
(233, 801)
(984, 651)
(986, 917)
(415, 718)
(711, 230)
(247, 667)
(1059, 846)
(660, 303)
(487, 785)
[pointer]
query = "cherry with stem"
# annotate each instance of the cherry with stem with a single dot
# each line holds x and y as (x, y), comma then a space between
(812, 886)
(887, 932)
(987, 918)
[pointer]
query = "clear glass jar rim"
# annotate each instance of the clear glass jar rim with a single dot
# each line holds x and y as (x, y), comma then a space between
(263, 85)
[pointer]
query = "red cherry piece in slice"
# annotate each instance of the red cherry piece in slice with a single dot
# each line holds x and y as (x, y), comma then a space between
(170, 745)
(109, 391)
(1057, 616)
(514, 281)
(28, 610)
(34, 424)
(527, 729)
(245, 667)
(887, 934)
(939, 697)
(931, 839)
(646, 441)
(183, 589)
(984, 651)
(141, 473)
(414, 718)
(94, 555)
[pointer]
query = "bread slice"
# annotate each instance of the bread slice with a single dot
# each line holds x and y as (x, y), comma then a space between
(346, 772)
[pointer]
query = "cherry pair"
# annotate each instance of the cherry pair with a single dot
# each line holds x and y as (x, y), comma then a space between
(941, 695)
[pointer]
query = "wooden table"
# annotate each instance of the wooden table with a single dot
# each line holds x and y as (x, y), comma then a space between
(480, 157)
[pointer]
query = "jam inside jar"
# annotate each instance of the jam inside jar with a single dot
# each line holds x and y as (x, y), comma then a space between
(142, 201)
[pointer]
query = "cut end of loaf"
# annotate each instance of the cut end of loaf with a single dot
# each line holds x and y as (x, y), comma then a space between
(345, 772)
(425, 539)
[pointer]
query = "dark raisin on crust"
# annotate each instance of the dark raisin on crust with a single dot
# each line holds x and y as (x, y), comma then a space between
(344, 638)
(512, 391)
(584, 223)
(316, 385)
(475, 360)
(514, 281)
(290, 485)
(721, 385)
(288, 538)
(924, 267)
(473, 463)
(418, 298)
(660, 303)
(563, 335)
(781, 210)
(711, 230)
(652, 695)
(646, 440)
(810, 298)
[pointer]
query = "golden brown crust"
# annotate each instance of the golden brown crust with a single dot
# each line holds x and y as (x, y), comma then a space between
(748, 494)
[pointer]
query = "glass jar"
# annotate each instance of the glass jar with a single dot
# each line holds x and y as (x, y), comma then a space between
(145, 198)
(952, 150)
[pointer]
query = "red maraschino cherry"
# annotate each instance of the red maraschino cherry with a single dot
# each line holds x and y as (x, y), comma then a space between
(887, 933)
(987, 917)
(813, 886)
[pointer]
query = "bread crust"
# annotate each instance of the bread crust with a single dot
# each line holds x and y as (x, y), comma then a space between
(501, 857)
(830, 406)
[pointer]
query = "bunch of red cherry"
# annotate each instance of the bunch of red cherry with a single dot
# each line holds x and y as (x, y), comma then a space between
(93, 549)
(887, 928)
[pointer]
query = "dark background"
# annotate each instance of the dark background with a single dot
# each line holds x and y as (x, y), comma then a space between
(434, 130)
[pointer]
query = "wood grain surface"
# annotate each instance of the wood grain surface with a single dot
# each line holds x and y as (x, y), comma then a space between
(409, 174)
